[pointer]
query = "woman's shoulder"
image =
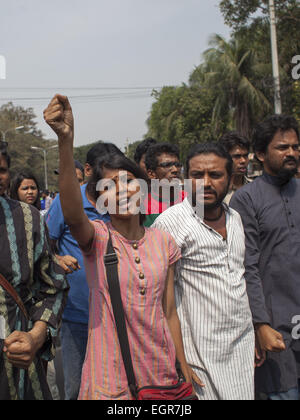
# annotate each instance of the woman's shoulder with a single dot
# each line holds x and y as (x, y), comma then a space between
(101, 228)
(159, 234)
(166, 243)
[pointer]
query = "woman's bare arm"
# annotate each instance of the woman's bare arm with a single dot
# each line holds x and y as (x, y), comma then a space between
(59, 117)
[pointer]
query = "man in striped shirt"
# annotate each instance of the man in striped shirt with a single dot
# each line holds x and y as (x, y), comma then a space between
(211, 296)
(30, 273)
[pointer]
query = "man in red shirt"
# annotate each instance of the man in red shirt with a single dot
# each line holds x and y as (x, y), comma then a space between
(164, 170)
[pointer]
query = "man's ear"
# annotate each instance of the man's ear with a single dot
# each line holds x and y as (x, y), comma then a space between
(260, 156)
(88, 171)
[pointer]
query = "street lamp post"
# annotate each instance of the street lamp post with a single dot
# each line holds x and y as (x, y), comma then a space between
(45, 151)
(3, 133)
(275, 61)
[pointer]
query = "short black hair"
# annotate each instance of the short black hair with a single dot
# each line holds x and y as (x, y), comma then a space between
(77, 164)
(17, 181)
(156, 150)
(114, 161)
(4, 153)
(234, 139)
(265, 131)
(101, 149)
(142, 149)
(207, 149)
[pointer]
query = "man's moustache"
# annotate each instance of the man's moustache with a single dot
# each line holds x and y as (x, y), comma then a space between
(291, 159)
(210, 191)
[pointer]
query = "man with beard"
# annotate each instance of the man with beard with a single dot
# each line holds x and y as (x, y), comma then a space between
(298, 171)
(33, 292)
(269, 208)
(210, 288)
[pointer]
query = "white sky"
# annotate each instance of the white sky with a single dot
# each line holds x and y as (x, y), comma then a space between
(62, 44)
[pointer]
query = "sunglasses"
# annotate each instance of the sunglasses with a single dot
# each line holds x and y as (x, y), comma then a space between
(170, 164)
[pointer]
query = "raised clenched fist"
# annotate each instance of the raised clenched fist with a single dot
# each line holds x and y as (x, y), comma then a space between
(59, 116)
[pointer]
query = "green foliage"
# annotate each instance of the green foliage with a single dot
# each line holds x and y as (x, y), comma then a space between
(130, 149)
(296, 99)
(232, 70)
(13, 116)
(20, 142)
(181, 115)
(250, 20)
(223, 94)
(231, 89)
(240, 13)
(233, 86)
(80, 152)
(23, 158)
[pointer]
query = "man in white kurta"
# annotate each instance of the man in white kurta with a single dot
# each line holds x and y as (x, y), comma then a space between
(212, 302)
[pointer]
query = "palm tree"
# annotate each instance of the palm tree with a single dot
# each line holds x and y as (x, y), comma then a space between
(232, 70)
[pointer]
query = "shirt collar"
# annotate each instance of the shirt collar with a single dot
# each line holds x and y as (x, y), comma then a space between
(86, 203)
(246, 181)
(274, 180)
(187, 205)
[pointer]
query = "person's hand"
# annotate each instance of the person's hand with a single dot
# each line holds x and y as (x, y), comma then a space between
(68, 263)
(260, 355)
(269, 339)
(20, 349)
(59, 116)
(191, 376)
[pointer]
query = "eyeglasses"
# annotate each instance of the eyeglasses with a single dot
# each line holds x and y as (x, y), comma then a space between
(169, 164)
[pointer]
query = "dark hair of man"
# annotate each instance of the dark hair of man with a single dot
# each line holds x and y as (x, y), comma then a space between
(157, 150)
(264, 132)
(142, 149)
(234, 139)
(79, 166)
(17, 181)
(208, 149)
(114, 161)
(101, 149)
(3, 153)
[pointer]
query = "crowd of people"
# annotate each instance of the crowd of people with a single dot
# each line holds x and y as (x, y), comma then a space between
(216, 291)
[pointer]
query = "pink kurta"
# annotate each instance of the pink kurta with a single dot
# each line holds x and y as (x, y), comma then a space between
(142, 267)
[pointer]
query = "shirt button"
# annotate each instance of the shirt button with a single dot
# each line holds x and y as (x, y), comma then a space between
(143, 291)
(141, 276)
(137, 260)
(135, 246)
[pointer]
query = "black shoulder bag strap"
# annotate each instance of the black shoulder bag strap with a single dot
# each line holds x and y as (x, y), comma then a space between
(111, 264)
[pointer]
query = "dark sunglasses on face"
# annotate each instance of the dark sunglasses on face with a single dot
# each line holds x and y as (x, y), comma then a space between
(169, 165)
